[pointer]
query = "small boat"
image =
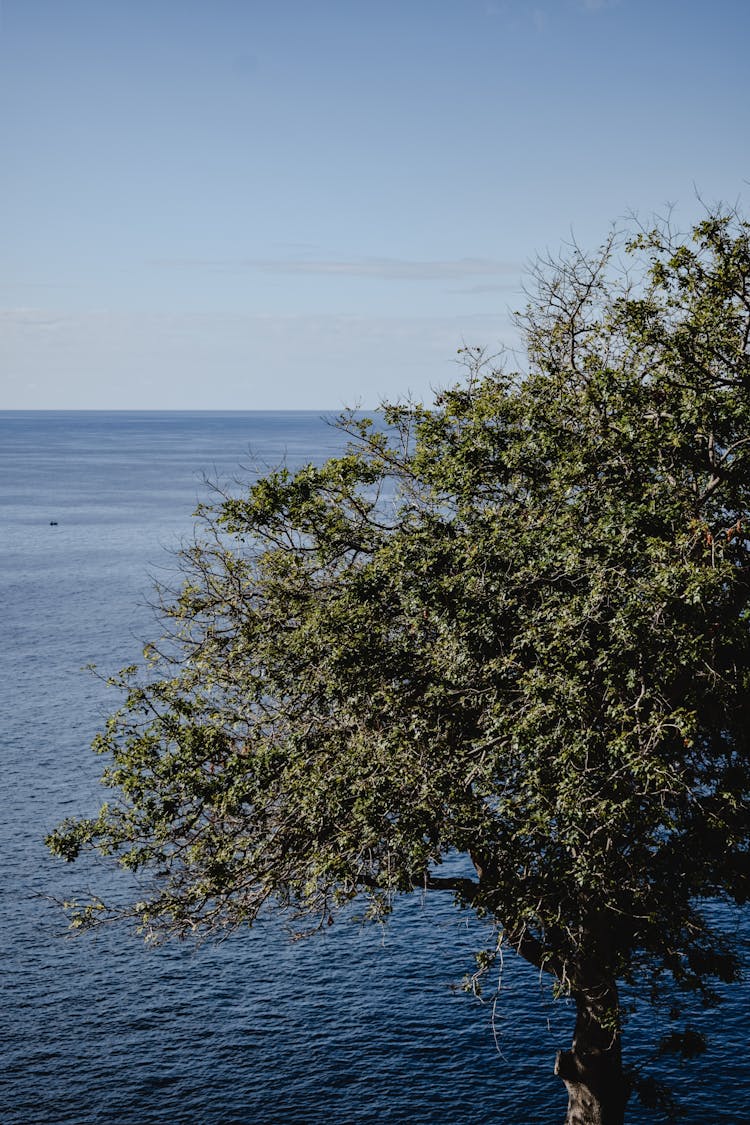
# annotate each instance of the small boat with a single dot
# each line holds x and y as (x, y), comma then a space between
(53, 523)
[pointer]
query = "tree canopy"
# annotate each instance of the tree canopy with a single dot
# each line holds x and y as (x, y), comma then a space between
(512, 624)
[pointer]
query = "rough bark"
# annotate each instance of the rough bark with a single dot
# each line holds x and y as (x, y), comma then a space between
(592, 1070)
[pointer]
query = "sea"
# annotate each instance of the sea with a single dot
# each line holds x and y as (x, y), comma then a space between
(360, 1025)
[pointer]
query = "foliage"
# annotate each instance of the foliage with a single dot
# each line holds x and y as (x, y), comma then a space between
(512, 625)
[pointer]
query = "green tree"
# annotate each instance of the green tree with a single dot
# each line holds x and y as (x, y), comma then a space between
(513, 625)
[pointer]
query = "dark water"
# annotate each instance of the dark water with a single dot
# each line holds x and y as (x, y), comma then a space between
(354, 1026)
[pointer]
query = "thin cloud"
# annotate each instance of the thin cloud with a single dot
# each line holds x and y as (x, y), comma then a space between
(476, 290)
(384, 269)
(32, 318)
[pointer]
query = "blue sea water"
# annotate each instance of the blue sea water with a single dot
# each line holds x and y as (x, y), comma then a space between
(356, 1025)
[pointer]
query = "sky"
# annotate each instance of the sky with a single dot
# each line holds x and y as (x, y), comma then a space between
(311, 204)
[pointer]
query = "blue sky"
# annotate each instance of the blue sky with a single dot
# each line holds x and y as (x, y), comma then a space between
(215, 204)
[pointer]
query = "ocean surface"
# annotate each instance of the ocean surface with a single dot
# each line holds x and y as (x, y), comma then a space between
(354, 1026)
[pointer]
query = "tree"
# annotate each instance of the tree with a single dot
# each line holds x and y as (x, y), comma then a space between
(513, 625)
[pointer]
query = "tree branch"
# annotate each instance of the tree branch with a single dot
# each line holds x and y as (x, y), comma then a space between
(466, 888)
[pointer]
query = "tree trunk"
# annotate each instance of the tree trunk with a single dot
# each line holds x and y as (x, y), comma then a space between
(592, 1070)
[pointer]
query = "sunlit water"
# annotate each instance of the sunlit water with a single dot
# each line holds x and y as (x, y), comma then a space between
(352, 1026)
